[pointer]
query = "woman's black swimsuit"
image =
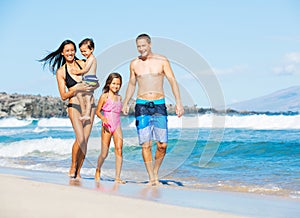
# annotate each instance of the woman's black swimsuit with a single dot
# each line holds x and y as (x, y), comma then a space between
(70, 82)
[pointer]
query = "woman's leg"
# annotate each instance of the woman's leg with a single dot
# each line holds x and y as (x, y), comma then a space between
(75, 149)
(80, 139)
(87, 128)
(118, 141)
(105, 143)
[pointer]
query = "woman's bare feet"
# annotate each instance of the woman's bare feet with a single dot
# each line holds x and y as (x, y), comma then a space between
(97, 175)
(72, 172)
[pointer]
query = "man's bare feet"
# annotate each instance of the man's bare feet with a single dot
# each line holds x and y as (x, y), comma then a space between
(120, 181)
(153, 182)
(97, 175)
(78, 176)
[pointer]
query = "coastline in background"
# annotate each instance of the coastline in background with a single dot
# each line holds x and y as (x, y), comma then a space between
(36, 106)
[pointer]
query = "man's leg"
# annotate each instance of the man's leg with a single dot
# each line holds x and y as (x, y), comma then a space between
(159, 156)
(147, 156)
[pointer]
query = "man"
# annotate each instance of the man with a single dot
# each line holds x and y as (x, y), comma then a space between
(149, 70)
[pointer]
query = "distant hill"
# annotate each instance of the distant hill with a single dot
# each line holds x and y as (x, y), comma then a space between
(282, 100)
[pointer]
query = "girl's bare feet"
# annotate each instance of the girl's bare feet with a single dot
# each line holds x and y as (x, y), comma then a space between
(120, 181)
(97, 175)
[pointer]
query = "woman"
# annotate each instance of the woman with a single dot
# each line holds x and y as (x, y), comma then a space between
(62, 62)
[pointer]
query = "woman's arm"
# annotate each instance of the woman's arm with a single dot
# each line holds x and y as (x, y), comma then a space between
(62, 86)
(79, 87)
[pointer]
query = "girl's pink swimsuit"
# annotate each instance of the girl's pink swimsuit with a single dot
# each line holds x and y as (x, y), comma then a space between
(112, 110)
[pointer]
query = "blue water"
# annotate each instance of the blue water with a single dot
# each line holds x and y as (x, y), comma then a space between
(264, 160)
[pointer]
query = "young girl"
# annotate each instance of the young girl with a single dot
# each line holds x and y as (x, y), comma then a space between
(110, 103)
(87, 47)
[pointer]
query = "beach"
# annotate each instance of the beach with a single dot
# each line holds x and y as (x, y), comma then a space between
(43, 194)
(27, 198)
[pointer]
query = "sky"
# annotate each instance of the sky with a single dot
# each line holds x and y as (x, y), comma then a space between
(252, 47)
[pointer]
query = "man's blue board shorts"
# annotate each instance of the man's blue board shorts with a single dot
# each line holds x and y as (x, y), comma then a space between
(151, 120)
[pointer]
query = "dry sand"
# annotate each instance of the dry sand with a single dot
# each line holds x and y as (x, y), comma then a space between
(21, 197)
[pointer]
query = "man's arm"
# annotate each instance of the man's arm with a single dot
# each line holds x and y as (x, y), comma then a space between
(130, 90)
(174, 85)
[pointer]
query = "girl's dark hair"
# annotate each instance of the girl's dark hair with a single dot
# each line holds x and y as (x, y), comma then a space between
(109, 81)
(55, 59)
(89, 42)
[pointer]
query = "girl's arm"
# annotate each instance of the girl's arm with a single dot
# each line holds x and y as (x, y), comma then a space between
(101, 102)
(104, 120)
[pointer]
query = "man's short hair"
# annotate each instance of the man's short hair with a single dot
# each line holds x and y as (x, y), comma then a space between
(144, 36)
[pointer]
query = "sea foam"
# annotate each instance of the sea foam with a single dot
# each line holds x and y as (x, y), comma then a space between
(259, 122)
(14, 122)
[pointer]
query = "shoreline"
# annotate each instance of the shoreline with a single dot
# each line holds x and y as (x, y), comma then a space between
(28, 186)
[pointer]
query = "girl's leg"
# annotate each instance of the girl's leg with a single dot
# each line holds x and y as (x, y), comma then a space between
(105, 143)
(118, 141)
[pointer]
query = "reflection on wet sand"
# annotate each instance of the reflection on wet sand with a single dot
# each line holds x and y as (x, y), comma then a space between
(75, 182)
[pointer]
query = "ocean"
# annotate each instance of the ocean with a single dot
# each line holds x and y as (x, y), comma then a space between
(240, 153)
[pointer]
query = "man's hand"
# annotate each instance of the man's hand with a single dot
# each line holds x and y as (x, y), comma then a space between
(125, 109)
(179, 110)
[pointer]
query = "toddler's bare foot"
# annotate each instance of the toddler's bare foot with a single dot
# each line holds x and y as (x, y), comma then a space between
(84, 118)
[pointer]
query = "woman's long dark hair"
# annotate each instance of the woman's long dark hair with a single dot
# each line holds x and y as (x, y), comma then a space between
(109, 80)
(55, 59)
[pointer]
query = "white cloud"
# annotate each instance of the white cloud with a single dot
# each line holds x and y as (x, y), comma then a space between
(290, 64)
(292, 57)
